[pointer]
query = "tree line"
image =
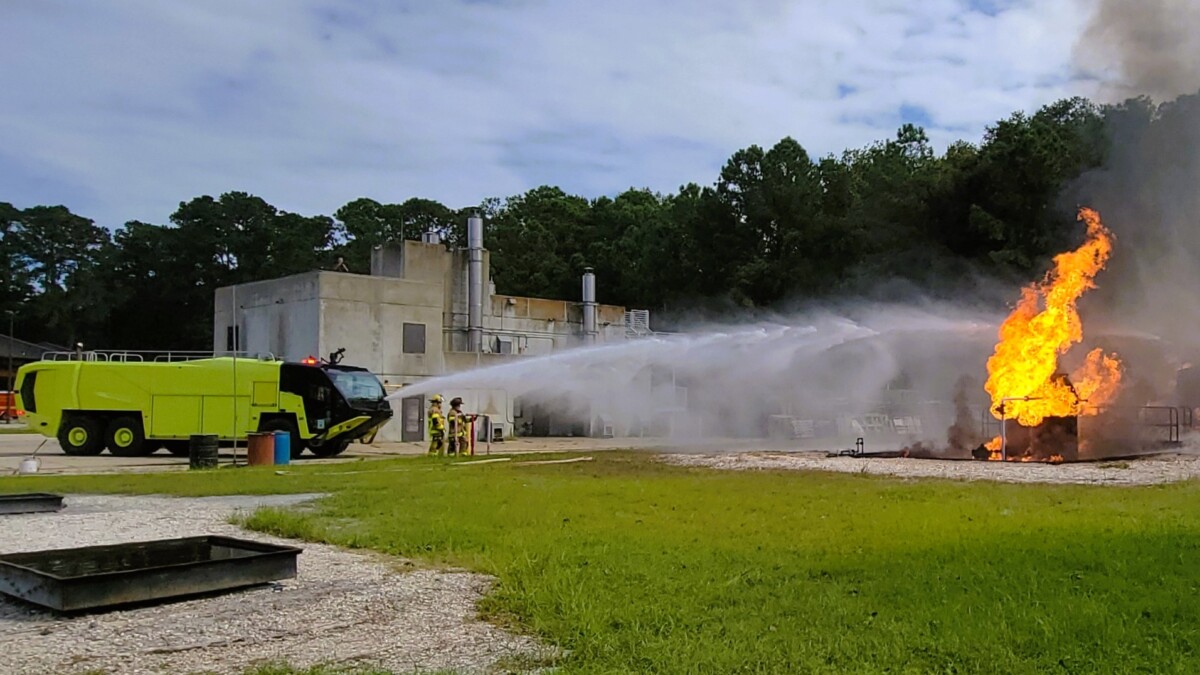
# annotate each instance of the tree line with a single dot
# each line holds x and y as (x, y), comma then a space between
(777, 224)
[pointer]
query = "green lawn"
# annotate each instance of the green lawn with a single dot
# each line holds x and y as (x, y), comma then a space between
(634, 566)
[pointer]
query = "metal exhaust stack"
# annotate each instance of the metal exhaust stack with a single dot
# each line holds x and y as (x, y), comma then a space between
(589, 306)
(475, 284)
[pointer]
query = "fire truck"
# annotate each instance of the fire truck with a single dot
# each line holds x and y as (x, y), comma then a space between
(135, 404)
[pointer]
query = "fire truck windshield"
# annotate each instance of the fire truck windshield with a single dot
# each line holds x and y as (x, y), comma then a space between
(357, 386)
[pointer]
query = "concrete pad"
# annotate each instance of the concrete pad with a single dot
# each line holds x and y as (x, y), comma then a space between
(16, 447)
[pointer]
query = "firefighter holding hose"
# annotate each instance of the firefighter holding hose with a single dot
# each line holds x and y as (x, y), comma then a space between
(460, 428)
(437, 426)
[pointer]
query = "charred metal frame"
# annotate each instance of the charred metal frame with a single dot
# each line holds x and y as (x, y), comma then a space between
(30, 502)
(1172, 420)
(96, 577)
(1004, 423)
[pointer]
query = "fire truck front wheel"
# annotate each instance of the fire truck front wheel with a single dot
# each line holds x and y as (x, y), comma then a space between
(330, 448)
(81, 436)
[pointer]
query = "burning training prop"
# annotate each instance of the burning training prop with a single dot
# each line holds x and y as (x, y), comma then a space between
(1027, 388)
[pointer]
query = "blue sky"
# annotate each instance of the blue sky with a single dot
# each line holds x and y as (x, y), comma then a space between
(122, 109)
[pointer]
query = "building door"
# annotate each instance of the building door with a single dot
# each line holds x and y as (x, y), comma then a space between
(412, 412)
(541, 422)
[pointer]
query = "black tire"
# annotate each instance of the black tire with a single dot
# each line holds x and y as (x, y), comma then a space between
(81, 436)
(178, 448)
(278, 424)
(330, 449)
(125, 438)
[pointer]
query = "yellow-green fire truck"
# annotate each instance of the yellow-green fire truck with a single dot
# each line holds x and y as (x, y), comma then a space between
(133, 407)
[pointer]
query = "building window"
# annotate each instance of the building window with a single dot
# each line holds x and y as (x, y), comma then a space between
(414, 338)
(232, 339)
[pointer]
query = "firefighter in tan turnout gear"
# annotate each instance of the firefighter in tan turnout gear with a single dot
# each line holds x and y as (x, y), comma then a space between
(460, 428)
(437, 426)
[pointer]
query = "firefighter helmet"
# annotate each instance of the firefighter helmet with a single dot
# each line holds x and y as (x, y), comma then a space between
(436, 398)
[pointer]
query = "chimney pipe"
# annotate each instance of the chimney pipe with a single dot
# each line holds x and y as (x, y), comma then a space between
(475, 283)
(589, 306)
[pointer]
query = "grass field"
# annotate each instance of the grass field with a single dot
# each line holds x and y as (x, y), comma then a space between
(634, 566)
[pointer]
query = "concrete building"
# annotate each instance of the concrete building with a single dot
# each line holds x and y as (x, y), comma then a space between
(424, 311)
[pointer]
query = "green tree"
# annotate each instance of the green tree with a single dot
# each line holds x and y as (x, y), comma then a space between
(891, 182)
(1023, 166)
(537, 242)
(366, 224)
(769, 227)
(150, 276)
(248, 239)
(236, 238)
(15, 287)
(636, 250)
(60, 252)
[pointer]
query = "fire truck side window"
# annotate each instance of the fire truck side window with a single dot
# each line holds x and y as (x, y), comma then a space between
(27, 396)
(310, 384)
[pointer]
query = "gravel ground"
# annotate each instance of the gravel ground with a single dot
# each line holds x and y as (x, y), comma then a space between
(342, 608)
(1144, 471)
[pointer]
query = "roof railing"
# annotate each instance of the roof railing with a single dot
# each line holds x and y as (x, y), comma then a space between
(140, 356)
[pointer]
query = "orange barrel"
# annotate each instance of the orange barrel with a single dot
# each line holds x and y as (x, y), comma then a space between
(260, 449)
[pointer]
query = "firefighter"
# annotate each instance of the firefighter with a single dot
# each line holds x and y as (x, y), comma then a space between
(437, 426)
(460, 428)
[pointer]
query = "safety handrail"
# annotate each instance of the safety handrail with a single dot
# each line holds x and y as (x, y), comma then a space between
(158, 356)
(1170, 420)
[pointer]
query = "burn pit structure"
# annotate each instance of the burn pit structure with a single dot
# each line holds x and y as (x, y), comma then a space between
(1097, 433)
(1151, 414)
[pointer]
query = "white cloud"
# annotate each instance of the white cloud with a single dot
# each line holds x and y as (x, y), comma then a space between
(122, 109)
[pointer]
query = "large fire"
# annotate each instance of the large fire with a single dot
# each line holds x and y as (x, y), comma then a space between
(1024, 381)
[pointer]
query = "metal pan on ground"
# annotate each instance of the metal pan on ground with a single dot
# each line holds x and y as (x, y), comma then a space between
(30, 502)
(103, 577)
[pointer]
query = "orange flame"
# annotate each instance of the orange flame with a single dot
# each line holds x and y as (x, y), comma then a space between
(1044, 325)
(994, 448)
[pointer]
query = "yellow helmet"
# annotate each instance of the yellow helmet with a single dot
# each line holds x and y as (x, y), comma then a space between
(436, 398)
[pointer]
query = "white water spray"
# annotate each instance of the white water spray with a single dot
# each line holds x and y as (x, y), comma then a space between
(725, 380)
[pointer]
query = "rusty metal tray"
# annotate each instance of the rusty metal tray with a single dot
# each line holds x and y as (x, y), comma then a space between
(30, 502)
(96, 577)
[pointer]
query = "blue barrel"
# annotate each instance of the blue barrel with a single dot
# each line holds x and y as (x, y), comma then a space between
(283, 447)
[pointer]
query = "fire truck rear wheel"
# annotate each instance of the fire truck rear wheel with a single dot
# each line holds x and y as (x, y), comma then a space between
(124, 437)
(81, 436)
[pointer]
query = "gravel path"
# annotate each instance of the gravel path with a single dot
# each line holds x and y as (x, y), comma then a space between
(1145, 471)
(342, 608)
